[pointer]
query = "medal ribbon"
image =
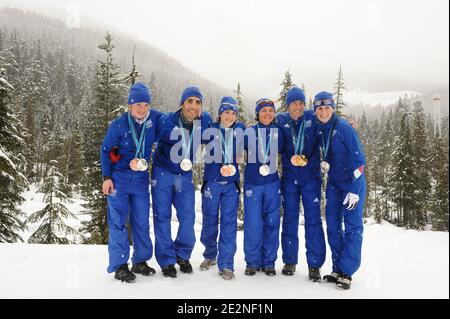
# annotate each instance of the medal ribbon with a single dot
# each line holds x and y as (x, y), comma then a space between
(139, 143)
(265, 148)
(227, 146)
(183, 136)
(299, 141)
(326, 147)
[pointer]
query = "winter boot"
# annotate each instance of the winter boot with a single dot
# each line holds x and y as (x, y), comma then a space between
(227, 274)
(124, 274)
(250, 271)
(169, 271)
(143, 269)
(270, 272)
(344, 282)
(314, 274)
(207, 263)
(185, 265)
(332, 278)
(288, 270)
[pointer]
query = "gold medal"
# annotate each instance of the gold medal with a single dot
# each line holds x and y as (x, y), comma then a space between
(299, 160)
(303, 161)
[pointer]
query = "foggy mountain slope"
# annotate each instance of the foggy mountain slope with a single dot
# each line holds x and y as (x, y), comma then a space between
(171, 76)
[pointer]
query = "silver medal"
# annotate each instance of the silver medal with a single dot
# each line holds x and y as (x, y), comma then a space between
(142, 165)
(264, 170)
(186, 165)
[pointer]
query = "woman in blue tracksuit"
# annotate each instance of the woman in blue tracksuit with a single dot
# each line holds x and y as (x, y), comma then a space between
(124, 157)
(179, 135)
(262, 191)
(343, 159)
(220, 191)
(301, 178)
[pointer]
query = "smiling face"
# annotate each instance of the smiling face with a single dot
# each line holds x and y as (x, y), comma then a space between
(191, 108)
(296, 109)
(266, 115)
(324, 113)
(227, 118)
(139, 110)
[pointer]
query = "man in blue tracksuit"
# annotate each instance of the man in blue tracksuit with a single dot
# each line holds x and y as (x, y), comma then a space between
(179, 135)
(301, 179)
(220, 191)
(262, 195)
(344, 160)
(124, 156)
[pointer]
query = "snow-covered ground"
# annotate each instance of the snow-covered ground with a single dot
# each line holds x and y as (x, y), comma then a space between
(396, 263)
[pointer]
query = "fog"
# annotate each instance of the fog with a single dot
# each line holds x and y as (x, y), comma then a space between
(256, 41)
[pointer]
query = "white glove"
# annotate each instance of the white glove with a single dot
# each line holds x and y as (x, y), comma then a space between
(352, 200)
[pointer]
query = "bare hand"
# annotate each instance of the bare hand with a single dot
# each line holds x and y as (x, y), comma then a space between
(108, 187)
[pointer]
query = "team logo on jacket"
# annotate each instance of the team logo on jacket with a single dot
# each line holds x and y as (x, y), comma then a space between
(334, 132)
(207, 193)
(149, 124)
(286, 125)
(153, 182)
(308, 123)
(249, 193)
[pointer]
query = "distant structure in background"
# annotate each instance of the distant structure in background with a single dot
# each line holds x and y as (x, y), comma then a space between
(437, 114)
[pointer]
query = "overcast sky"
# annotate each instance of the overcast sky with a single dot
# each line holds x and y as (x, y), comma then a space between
(256, 41)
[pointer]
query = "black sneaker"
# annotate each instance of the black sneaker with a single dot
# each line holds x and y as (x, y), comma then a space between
(314, 274)
(270, 272)
(124, 274)
(344, 282)
(288, 270)
(143, 269)
(169, 271)
(332, 278)
(250, 271)
(185, 265)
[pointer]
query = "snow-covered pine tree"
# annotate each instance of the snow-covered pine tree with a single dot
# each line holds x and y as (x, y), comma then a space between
(376, 170)
(439, 204)
(310, 104)
(365, 137)
(242, 116)
(400, 108)
(52, 225)
(286, 84)
(402, 178)
(73, 79)
(36, 99)
(12, 180)
(421, 164)
(386, 148)
(154, 87)
(339, 88)
(74, 161)
(109, 92)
